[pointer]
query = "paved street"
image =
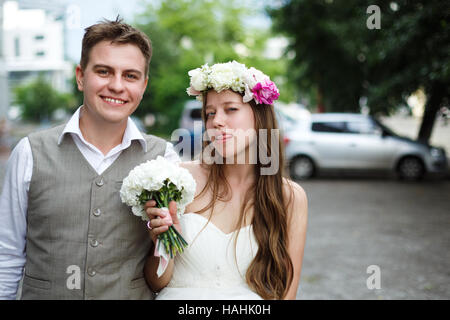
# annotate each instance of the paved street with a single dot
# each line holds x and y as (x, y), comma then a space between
(401, 227)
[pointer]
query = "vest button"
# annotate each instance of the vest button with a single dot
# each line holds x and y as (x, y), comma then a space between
(94, 243)
(91, 272)
(97, 212)
(100, 182)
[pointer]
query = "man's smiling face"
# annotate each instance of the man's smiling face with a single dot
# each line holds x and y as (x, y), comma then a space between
(113, 81)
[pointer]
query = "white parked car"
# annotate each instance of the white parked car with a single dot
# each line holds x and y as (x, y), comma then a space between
(356, 141)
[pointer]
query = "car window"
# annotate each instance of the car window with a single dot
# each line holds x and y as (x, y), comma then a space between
(361, 127)
(330, 126)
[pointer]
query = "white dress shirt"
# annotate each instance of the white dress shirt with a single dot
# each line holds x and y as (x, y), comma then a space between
(14, 197)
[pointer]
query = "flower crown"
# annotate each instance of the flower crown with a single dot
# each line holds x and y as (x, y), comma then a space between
(235, 76)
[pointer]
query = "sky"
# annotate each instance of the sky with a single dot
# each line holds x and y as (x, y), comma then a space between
(83, 13)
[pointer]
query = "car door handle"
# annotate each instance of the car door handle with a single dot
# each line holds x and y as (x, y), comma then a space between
(352, 145)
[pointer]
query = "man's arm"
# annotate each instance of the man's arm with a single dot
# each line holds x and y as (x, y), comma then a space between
(13, 218)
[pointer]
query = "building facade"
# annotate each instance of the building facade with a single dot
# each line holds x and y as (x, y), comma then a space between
(33, 43)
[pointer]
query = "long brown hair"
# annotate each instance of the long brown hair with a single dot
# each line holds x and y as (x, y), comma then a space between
(271, 271)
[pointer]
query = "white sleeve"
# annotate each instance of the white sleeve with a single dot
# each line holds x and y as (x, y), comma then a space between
(13, 218)
(171, 155)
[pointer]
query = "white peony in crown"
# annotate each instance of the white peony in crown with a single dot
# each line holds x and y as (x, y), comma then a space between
(234, 76)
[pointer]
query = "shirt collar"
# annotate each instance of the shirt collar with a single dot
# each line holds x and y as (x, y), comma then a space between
(131, 131)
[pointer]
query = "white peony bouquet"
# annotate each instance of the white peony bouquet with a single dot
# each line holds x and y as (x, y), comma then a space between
(162, 181)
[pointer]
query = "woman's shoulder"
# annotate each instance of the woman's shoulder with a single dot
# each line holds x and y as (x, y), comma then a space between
(193, 166)
(196, 169)
(200, 176)
(290, 185)
(295, 195)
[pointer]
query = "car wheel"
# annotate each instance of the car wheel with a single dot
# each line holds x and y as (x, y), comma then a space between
(411, 168)
(301, 168)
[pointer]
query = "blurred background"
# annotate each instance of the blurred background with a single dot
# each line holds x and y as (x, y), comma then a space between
(364, 112)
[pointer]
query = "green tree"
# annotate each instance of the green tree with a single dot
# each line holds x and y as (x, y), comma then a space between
(187, 34)
(341, 59)
(411, 51)
(323, 38)
(38, 100)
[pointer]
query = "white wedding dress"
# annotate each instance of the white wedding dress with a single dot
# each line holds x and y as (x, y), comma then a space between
(209, 269)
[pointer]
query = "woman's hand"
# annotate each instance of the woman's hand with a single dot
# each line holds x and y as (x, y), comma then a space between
(159, 220)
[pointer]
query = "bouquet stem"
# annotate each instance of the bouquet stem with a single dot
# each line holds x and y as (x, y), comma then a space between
(172, 240)
(162, 181)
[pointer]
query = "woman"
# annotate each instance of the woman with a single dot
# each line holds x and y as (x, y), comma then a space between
(246, 227)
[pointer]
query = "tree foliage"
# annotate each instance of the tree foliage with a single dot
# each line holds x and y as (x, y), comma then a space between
(339, 59)
(411, 51)
(325, 65)
(38, 100)
(187, 34)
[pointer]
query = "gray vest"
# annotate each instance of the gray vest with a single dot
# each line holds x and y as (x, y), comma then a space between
(82, 241)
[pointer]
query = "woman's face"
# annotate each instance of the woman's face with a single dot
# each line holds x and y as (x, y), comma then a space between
(230, 124)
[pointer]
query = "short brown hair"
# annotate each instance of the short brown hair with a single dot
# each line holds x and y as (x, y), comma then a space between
(117, 32)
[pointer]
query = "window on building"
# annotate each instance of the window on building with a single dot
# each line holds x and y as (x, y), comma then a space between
(40, 53)
(39, 37)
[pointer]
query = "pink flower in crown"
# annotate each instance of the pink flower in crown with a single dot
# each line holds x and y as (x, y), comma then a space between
(265, 93)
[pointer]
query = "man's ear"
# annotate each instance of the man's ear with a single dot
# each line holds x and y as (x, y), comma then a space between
(79, 76)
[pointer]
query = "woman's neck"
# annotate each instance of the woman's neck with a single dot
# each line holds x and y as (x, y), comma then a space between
(240, 174)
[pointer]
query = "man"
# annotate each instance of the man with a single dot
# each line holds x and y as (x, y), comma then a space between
(61, 216)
